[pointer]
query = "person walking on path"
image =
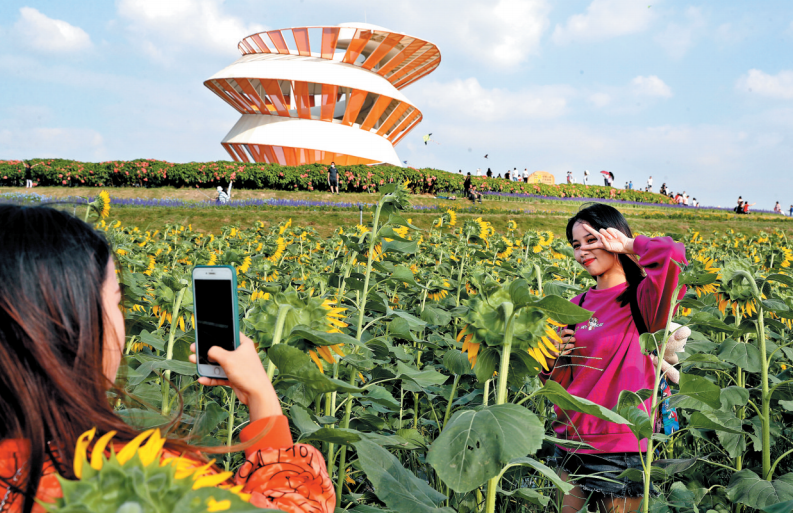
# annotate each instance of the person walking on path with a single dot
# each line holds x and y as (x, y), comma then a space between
(586, 177)
(791, 210)
(333, 178)
(569, 177)
(601, 357)
(778, 208)
(489, 173)
(526, 175)
(650, 184)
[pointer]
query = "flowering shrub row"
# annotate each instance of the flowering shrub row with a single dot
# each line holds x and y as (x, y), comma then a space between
(156, 173)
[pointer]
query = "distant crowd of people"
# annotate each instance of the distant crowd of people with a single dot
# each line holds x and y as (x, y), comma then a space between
(744, 206)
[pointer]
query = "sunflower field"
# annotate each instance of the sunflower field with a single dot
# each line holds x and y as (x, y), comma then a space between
(410, 358)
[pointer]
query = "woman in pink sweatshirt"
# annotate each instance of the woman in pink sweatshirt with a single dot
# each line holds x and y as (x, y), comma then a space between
(603, 356)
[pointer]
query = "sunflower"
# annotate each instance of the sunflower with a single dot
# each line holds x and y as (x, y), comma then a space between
(279, 251)
(102, 204)
(470, 346)
(485, 228)
(325, 353)
(452, 217)
(440, 292)
(546, 346)
(246, 264)
(545, 241)
(402, 231)
(283, 227)
(707, 267)
(512, 225)
(144, 456)
(788, 257)
(470, 289)
(152, 266)
(377, 255)
(334, 316)
(258, 294)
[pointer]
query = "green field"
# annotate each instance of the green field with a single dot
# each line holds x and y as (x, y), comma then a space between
(531, 214)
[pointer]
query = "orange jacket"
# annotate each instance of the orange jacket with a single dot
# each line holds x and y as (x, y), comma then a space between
(278, 474)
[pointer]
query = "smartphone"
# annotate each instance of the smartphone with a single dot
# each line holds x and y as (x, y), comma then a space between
(215, 311)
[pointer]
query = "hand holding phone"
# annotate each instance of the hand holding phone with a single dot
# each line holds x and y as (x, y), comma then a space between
(215, 310)
(246, 376)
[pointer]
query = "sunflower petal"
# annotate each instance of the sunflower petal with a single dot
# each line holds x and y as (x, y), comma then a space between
(99, 450)
(79, 451)
(131, 448)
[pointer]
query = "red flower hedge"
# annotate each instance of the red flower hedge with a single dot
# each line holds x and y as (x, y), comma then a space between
(156, 173)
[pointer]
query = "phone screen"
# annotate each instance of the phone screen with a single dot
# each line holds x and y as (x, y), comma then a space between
(214, 317)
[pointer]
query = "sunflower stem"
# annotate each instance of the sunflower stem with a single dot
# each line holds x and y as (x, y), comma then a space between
(166, 403)
(359, 332)
(501, 395)
(460, 275)
(229, 437)
(452, 395)
(765, 417)
(277, 334)
(649, 455)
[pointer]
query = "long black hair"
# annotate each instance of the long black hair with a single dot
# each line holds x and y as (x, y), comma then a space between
(600, 216)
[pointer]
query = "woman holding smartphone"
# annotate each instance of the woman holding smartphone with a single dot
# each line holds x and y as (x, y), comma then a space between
(602, 357)
(61, 341)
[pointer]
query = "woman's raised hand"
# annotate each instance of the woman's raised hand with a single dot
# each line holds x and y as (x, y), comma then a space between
(246, 376)
(609, 239)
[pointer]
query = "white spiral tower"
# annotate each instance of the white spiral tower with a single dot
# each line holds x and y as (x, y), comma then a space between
(323, 94)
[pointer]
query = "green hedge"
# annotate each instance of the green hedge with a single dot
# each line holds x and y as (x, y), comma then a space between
(156, 173)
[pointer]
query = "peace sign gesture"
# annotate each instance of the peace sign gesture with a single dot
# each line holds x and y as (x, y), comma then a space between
(609, 239)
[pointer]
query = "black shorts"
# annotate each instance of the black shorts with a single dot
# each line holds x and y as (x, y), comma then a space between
(334, 182)
(597, 473)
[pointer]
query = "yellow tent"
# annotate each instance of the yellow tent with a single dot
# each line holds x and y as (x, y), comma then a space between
(542, 177)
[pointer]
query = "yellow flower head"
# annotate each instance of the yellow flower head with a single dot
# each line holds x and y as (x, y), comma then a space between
(102, 204)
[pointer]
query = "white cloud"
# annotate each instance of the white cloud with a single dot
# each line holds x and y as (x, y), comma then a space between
(779, 86)
(162, 27)
(43, 34)
(55, 142)
(605, 19)
(678, 38)
(599, 99)
(507, 32)
(650, 86)
(467, 99)
(498, 34)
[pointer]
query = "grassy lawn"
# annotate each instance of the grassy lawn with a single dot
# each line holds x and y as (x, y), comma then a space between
(533, 214)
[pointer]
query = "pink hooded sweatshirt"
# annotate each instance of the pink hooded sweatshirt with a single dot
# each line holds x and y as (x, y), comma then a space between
(608, 357)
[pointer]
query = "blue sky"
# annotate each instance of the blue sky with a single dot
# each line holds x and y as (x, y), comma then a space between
(696, 94)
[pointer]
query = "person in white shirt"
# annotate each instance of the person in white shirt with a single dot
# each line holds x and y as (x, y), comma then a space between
(586, 177)
(650, 184)
(223, 196)
(525, 175)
